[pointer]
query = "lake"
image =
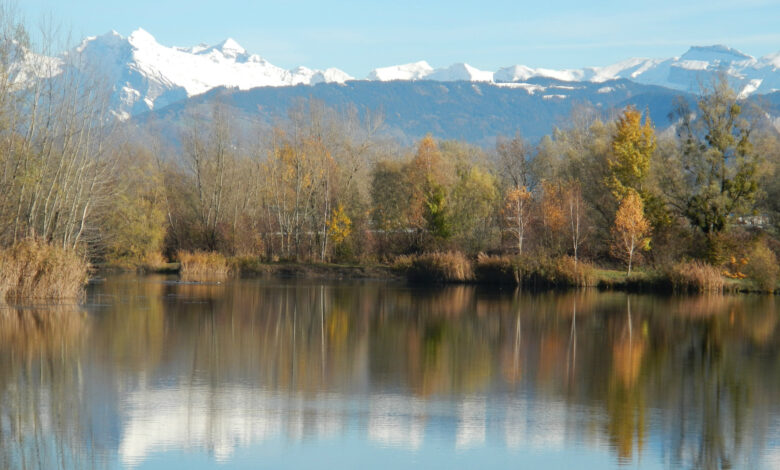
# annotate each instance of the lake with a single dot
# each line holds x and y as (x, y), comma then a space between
(151, 373)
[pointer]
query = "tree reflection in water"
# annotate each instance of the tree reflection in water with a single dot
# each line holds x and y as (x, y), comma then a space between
(157, 366)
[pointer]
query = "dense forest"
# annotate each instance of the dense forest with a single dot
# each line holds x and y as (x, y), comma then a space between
(327, 186)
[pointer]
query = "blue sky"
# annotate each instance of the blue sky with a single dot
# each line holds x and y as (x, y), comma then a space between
(357, 36)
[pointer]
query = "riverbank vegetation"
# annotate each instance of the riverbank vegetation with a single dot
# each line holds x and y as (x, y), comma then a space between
(34, 269)
(695, 205)
(203, 265)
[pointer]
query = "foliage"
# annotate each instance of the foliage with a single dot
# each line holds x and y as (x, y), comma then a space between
(389, 200)
(339, 225)
(629, 233)
(632, 149)
(324, 185)
(136, 223)
(472, 209)
(718, 158)
(553, 216)
(436, 215)
(762, 267)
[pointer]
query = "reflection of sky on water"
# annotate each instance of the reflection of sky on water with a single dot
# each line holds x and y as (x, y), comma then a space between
(227, 422)
(292, 375)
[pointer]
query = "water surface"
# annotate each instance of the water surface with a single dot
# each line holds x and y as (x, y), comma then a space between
(156, 374)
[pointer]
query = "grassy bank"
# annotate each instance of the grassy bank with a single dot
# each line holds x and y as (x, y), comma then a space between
(452, 267)
(681, 280)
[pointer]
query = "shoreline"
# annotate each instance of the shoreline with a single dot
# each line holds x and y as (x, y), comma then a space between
(605, 279)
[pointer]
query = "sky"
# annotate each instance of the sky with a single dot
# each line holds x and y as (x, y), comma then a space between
(360, 35)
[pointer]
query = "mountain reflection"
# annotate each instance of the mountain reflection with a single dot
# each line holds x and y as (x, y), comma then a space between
(154, 366)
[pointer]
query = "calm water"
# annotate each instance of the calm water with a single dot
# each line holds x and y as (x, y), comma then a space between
(274, 374)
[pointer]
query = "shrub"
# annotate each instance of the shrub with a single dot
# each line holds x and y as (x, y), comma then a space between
(762, 267)
(450, 266)
(203, 265)
(496, 270)
(694, 276)
(34, 269)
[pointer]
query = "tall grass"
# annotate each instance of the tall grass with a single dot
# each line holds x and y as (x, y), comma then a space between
(694, 276)
(203, 265)
(496, 269)
(450, 266)
(35, 270)
(555, 272)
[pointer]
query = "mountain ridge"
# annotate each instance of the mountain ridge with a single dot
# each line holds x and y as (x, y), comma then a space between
(145, 75)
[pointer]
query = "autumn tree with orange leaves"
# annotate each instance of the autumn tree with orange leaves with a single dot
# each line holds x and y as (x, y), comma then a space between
(631, 229)
(552, 216)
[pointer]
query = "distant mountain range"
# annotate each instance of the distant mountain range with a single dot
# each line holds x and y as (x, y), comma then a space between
(467, 103)
(473, 112)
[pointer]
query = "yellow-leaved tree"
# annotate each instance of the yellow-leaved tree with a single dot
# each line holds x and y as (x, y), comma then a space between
(632, 148)
(631, 229)
(339, 227)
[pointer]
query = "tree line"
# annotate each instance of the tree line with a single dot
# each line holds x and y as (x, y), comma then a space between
(327, 185)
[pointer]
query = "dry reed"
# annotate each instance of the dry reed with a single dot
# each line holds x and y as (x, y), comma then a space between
(496, 269)
(555, 272)
(35, 270)
(694, 276)
(203, 265)
(450, 266)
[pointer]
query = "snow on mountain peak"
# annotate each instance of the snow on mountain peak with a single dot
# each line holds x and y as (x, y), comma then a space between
(772, 60)
(716, 53)
(230, 44)
(515, 73)
(461, 71)
(111, 39)
(146, 74)
(140, 37)
(228, 48)
(423, 71)
(412, 71)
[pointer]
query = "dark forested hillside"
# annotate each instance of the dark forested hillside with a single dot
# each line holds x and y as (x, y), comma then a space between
(473, 112)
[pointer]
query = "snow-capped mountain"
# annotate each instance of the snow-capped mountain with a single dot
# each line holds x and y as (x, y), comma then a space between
(145, 75)
(747, 74)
